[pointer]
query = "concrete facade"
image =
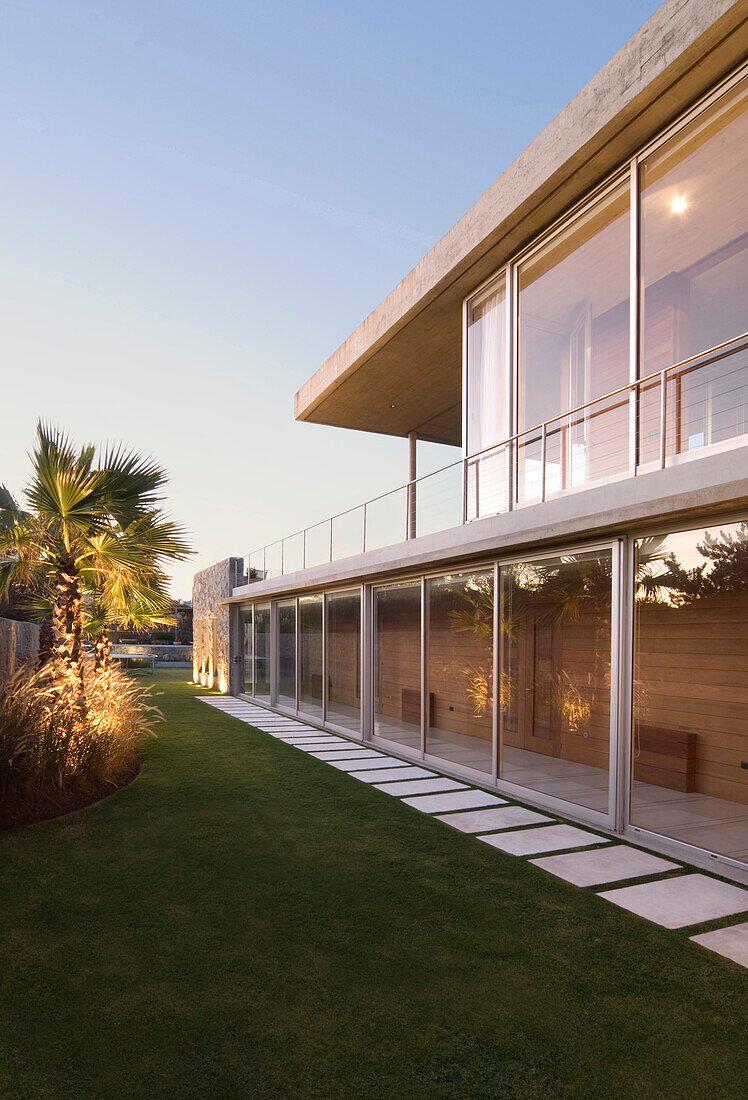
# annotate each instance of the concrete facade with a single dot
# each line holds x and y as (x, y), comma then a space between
(707, 486)
(407, 352)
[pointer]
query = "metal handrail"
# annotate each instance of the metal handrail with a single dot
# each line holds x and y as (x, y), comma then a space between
(541, 429)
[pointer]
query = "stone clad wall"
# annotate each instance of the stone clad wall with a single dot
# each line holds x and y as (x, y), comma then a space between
(19, 643)
(211, 648)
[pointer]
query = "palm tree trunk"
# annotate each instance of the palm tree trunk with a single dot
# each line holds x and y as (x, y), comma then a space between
(102, 651)
(67, 625)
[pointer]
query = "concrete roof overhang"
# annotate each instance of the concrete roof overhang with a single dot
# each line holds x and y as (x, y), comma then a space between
(400, 371)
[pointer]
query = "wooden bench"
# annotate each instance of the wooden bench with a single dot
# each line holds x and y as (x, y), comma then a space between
(410, 706)
(665, 757)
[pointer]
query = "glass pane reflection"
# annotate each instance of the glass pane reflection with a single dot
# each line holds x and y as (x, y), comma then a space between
(310, 656)
(555, 676)
(287, 653)
(397, 664)
(690, 729)
(694, 251)
(247, 648)
(460, 669)
(344, 660)
(262, 652)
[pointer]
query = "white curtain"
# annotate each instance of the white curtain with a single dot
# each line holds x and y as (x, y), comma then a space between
(487, 402)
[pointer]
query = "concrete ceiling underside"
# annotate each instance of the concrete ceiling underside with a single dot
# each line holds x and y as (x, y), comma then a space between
(400, 371)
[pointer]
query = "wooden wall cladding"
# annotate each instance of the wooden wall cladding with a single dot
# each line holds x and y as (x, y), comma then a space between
(691, 669)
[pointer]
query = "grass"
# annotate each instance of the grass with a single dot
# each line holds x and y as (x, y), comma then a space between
(244, 921)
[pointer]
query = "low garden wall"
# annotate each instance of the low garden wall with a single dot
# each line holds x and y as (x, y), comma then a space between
(19, 643)
(177, 656)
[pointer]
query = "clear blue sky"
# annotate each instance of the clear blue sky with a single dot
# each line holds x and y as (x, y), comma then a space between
(200, 199)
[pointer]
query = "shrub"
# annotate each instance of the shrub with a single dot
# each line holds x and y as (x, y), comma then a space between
(59, 745)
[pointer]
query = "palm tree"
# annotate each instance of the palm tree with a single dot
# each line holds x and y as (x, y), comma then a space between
(93, 538)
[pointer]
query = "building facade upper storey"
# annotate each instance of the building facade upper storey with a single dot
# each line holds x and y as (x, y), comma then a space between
(562, 613)
(400, 370)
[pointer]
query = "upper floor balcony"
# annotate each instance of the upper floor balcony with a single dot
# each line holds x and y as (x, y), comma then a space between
(673, 416)
(609, 344)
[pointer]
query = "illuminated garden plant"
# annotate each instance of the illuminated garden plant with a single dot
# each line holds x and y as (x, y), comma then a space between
(90, 546)
(88, 550)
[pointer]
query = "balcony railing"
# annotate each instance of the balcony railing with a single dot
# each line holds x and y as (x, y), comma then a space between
(649, 424)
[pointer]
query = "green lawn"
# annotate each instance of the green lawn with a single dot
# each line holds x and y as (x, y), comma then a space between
(244, 921)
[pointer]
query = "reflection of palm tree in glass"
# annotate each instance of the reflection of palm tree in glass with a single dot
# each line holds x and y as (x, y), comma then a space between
(661, 578)
(575, 585)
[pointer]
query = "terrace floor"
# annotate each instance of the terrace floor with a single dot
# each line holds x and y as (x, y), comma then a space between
(248, 920)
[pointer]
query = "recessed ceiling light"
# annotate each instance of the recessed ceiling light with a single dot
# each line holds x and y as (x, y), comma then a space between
(677, 206)
(392, 406)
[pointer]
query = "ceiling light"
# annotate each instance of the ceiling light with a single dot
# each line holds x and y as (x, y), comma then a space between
(677, 206)
(392, 406)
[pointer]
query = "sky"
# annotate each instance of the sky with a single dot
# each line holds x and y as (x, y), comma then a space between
(201, 199)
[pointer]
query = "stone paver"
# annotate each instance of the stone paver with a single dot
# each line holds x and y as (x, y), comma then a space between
(388, 772)
(367, 765)
(421, 786)
(611, 864)
(312, 739)
(346, 754)
(674, 903)
(460, 800)
(678, 902)
(317, 745)
(544, 838)
(505, 817)
(731, 942)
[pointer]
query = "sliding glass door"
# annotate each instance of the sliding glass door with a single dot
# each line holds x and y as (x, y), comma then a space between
(262, 652)
(310, 656)
(397, 663)
(287, 653)
(460, 669)
(343, 660)
(555, 717)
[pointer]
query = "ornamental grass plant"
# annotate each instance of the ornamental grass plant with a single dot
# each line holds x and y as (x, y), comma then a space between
(64, 743)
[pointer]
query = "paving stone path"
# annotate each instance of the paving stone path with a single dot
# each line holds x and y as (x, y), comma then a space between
(577, 855)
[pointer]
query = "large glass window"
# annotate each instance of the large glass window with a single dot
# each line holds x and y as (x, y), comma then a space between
(310, 656)
(262, 651)
(248, 649)
(690, 727)
(287, 653)
(574, 348)
(555, 676)
(460, 669)
(694, 265)
(397, 663)
(343, 641)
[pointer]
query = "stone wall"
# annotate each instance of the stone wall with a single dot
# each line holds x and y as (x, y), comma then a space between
(19, 643)
(180, 655)
(211, 623)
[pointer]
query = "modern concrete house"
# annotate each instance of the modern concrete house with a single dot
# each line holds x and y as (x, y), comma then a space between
(562, 612)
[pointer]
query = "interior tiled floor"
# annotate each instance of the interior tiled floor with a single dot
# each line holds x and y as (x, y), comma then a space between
(671, 895)
(706, 822)
(712, 823)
